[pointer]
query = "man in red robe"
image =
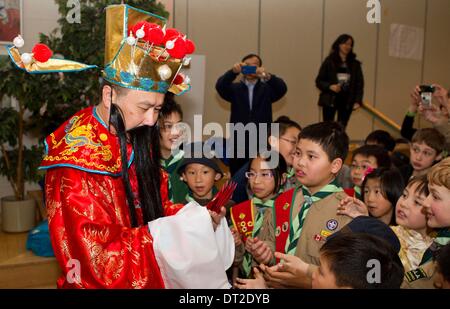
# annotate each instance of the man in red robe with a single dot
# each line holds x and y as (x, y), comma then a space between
(104, 183)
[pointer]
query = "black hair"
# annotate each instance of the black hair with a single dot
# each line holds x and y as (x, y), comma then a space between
(382, 138)
(330, 136)
(251, 56)
(379, 153)
(285, 123)
(349, 256)
(443, 262)
(169, 107)
(334, 53)
(145, 144)
(278, 171)
(391, 184)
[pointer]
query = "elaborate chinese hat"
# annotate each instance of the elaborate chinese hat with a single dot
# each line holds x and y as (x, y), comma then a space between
(140, 53)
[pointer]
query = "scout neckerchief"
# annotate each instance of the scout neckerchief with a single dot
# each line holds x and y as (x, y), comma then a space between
(297, 222)
(358, 192)
(169, 165)
(190, 198)
(442, 238)
(261, 207)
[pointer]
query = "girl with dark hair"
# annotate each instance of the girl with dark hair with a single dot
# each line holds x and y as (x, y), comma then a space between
(340, 81)
(381, 190)
(252, 230)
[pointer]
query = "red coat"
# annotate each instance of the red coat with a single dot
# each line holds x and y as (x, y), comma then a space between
(87, 210)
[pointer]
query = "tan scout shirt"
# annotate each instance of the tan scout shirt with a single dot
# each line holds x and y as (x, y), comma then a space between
(420, 278)
(320, 222)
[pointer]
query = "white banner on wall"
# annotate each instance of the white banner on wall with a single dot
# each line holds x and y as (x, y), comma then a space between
(406, 42)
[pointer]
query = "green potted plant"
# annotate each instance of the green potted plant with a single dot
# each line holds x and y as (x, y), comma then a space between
(18, 163)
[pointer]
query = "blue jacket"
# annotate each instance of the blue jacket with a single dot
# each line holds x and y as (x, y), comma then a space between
(264, 94)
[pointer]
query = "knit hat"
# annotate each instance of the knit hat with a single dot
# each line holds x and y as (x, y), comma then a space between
(195, 153)
(372, 226)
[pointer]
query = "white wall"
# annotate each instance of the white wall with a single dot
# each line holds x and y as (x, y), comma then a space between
(293, 37)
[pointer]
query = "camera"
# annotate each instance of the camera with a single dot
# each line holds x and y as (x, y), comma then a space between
(248, 69)
(426, 94)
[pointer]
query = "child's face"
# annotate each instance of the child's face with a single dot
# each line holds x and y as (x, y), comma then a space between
(410, 212)
(379, 207)
(359, 167)
(422, 156)
(312, 166)
(287, 143)
(200, 179)
(322, 277)
(170, 134)
(262, 182)
(437, 205)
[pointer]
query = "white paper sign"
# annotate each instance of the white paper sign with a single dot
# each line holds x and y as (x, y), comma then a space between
(406, 42)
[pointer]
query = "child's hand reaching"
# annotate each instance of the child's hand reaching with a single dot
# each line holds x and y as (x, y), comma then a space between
(352, 207)
(257, 283)
(236, 236)
(260, 251)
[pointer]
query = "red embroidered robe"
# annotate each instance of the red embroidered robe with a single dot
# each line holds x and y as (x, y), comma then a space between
(88, 214)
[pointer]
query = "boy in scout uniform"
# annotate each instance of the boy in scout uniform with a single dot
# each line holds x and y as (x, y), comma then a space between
(311, 216)
(437, 206)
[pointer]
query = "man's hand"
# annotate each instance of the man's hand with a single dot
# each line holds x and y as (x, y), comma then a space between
(261, 73)
(415, 100)
(352, 207)
(441, 95)
(433, 114)
(335, 88)
(257, 283)
(237, 67)
(215, 217)
(356, 106)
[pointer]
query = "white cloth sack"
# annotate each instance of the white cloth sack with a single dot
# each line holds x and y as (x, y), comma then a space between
(189, 253)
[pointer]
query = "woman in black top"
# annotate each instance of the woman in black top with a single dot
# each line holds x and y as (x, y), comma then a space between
(340, 81)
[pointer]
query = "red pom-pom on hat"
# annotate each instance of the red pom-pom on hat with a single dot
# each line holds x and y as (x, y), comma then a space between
(155, 35)
(171, 33)
(190, 46)
(42, 52)
(179, 79)
(179, 48)
(138, 26)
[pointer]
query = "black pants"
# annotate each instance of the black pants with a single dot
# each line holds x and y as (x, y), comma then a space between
(343, 113)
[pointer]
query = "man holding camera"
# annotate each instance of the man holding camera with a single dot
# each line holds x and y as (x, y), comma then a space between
(251, 98)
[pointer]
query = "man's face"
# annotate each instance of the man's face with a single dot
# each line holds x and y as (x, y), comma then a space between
(140, 108)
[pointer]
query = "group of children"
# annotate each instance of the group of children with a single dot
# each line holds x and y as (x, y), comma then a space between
(298, 226)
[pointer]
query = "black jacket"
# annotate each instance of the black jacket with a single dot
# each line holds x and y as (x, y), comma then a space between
(264, 94)
(328, 76)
